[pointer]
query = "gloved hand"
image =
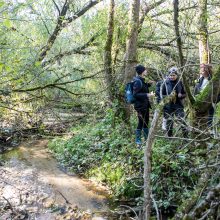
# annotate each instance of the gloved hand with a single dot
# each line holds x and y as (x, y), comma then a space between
(181, 96)
(173, 96)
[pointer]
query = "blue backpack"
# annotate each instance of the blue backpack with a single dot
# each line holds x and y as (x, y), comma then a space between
(129, 96)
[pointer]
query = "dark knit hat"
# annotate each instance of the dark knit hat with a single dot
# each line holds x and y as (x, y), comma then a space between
(140, 69)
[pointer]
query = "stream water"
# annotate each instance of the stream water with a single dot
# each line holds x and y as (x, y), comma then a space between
(33, 160)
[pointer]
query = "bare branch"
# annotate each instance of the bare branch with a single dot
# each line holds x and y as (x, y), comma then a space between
(55, 33)
(83, 10)
(56, 6)
(146, 9)
(9, 204)
(51, 85)
(78, 50)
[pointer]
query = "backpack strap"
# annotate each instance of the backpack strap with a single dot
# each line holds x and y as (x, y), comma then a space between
(139, 81)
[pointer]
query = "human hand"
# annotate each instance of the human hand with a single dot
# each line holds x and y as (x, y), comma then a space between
(180, 95)
(151, 94)
(151, 82)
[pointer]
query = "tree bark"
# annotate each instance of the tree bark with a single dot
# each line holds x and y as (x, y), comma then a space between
(147, 156)
(203, 33)
(179, 45)
(131, 45)
(108, 53)
(147, 164)
(130, 58)
(213, 194)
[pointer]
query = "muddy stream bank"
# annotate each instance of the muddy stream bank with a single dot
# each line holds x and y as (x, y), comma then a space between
(32, 186)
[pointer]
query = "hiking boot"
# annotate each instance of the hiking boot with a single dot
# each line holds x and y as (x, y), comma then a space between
(138, 136)
(145, 131)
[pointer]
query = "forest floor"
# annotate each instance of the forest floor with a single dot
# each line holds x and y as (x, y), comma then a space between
(32, 186)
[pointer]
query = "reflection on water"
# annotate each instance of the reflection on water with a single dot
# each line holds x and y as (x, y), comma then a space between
(66, 187)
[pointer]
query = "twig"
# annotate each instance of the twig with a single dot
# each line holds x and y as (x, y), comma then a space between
(155, 206)
(130, 209)
(184, 139)
(67, 202)
(10, 206)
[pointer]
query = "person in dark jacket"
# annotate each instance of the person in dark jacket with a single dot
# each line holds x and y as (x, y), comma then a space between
(174, 107)
(142, 104)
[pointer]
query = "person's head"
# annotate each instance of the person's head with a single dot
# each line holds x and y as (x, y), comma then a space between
(141, 70)
(205, 70)
(173, 73)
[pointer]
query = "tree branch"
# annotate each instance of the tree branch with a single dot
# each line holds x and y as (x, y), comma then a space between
(83, 10)
(56, 6)
(78, 50)
(55, 33)
(62, 22)
(51, 85)
(146, 9)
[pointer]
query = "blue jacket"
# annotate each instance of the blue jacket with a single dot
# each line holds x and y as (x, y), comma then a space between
(140, 90)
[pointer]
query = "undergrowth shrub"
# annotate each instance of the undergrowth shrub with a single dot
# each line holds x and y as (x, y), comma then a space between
(110, 156)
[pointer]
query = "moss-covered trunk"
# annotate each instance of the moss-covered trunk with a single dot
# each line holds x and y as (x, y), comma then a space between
(203, 32)
(109, 80)
(130, 59)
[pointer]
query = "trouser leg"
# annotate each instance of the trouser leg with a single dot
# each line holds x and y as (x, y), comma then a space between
(181, 119)
(138, 136)
(210, 116)
(143, 120)
(169, 121)
(145, 131)
(145, 125)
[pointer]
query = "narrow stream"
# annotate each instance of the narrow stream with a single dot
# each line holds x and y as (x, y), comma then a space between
(63, 188)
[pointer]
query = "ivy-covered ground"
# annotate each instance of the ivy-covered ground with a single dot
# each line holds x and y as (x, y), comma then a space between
(108, 155)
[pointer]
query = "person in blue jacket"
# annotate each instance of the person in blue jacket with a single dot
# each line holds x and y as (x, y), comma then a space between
(142, 104)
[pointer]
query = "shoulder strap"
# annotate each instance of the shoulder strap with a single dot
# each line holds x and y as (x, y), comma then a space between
(140, 82)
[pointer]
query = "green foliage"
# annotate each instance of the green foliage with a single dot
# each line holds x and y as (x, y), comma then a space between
(172, 173)
(110, 156)
(101, 152)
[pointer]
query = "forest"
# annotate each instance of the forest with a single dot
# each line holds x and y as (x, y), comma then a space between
(64, 68)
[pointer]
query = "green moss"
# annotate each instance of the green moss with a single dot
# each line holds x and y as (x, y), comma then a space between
(201, 99)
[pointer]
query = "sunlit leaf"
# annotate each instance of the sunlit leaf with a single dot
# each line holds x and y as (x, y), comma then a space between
(7, 23)
(1, 3)
(38, 63)
(1, 66)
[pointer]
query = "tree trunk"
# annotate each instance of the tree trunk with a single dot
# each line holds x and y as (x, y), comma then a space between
(147, 156)
(131, 54)
(108, 54)
(203, 33)
(131, 45)
(147, 165)
(179, 45)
